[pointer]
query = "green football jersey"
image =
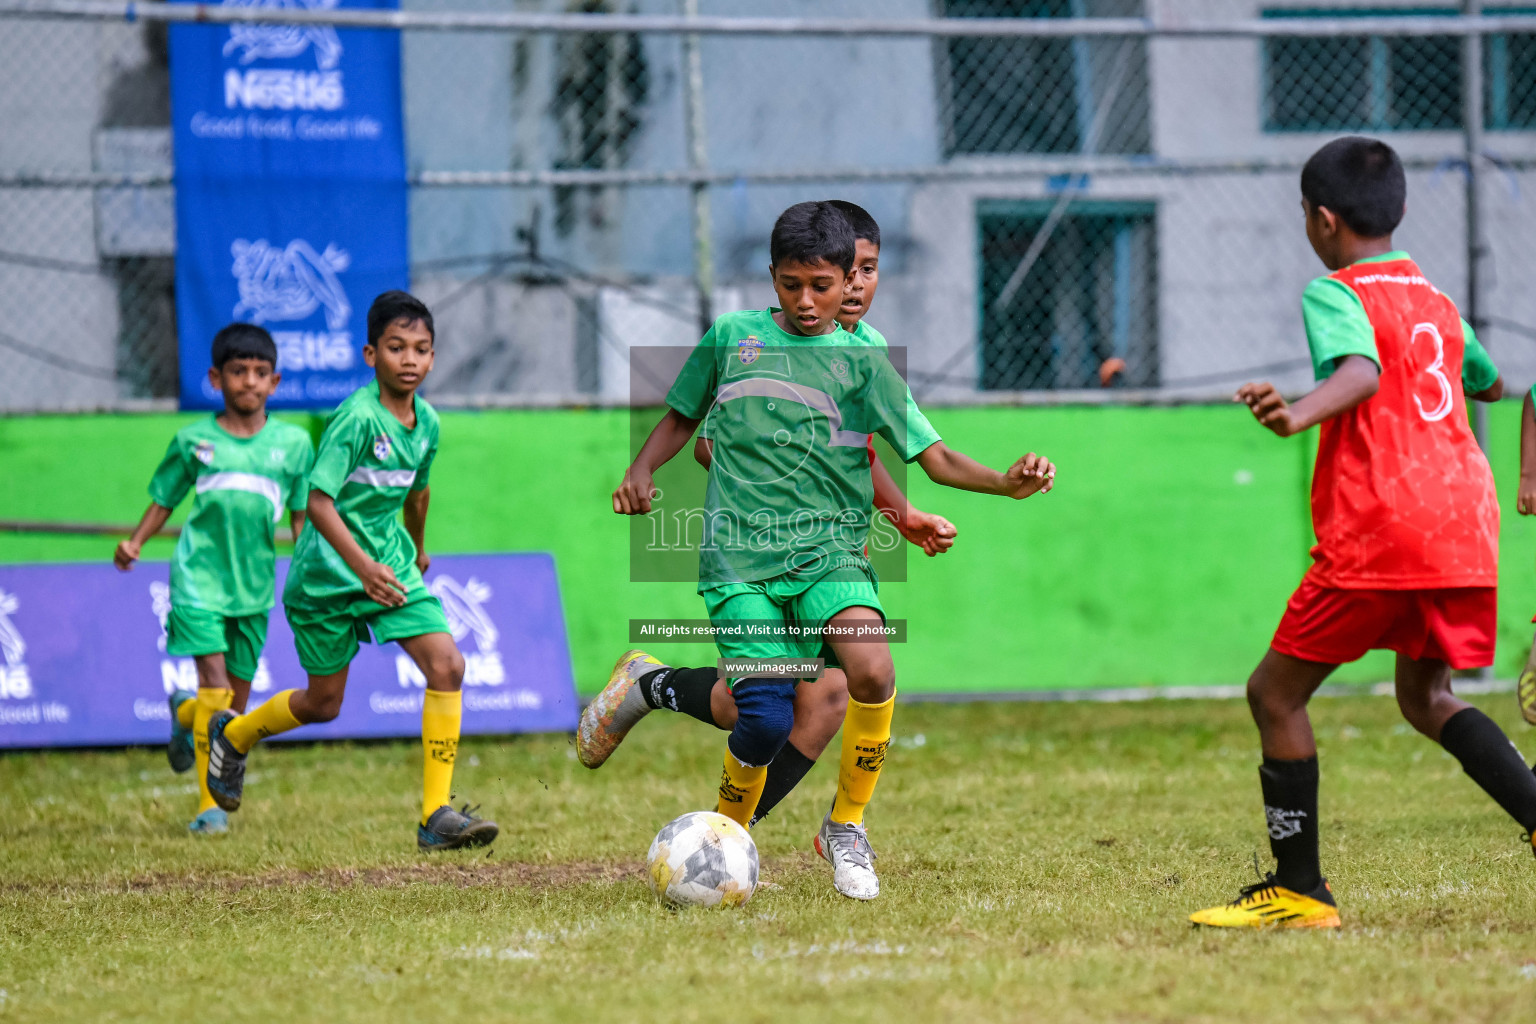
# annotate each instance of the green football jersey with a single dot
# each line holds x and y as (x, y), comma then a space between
(367, 462)
(225, 561)
(790, 418)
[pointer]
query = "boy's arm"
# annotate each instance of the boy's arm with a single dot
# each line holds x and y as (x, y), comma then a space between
(128, 550)
(296, 522)
(378, 580)
(704, 451)
(415, 515)
(1525, 502)
(946, 466)
(633, 496)
(1355, 379)
(934, 534)
(1480, 379)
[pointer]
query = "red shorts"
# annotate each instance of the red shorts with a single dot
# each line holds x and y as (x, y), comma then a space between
(1334, 626)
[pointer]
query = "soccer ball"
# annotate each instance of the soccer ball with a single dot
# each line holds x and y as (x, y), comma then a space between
(703, 859)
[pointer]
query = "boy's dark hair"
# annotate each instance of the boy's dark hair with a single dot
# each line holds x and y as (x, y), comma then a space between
(864, 226)
(397, 305)
(812, 233)
(243, 341)
(1361, 180)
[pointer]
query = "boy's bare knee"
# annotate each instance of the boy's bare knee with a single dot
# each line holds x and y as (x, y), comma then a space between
(872, 684)
(323, 709)
(445, 670)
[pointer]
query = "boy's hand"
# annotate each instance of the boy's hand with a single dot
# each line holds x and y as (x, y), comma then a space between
(1525, 501)
(423, 562)
(381, 585)
(126, 554)
(1033, 473)
(1268, 407)
(933, 533)
(634, 495)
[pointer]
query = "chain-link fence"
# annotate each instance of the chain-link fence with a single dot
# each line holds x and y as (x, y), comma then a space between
(1080, 200)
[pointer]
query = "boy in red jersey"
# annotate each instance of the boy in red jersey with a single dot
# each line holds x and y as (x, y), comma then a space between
(1406, 520)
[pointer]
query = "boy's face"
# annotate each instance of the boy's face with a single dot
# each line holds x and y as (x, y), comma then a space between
(860, 290)
(402, 357)
(810, 294)
(246, 383)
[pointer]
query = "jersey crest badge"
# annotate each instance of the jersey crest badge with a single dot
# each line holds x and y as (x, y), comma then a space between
(277, 456)
(748, 349)
(840, 372)
(203, 452)
(381, 447)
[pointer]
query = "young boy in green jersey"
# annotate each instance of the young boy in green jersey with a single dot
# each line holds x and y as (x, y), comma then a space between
(358, 569)
(245, 469)
(640, 684)
(792, 400)
(1525, 505)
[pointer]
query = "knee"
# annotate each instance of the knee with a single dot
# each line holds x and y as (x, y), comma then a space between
(444, 669)
(872, 683)
(321, 707)
(1265, 704)
(765, 714)
(1418, 708)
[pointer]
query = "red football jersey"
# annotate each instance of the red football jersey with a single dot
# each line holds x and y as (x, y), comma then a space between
(1403, 497)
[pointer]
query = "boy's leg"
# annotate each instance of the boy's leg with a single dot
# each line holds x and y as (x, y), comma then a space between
(1486, 754)
(765, 714)
(638, 685)
(1296, 894)
(421, 629)
(1525, 689)
(820, 705)
(213, 695)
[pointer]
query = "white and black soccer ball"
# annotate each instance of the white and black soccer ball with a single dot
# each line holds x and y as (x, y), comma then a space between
(703, 859)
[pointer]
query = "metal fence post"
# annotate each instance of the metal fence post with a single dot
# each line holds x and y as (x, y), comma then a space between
(1472, 144)
(698, 161)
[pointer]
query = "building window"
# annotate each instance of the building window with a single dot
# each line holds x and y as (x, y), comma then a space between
(1380, 83)
(1043, 95)
(1055, 310)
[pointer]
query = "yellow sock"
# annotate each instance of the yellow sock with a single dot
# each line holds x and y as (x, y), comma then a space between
(186, 713)
(271, 718)
(741, 787)
(866, 734)
(208, 702)
(441, 712)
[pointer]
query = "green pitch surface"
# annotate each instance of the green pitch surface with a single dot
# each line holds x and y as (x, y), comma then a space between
(1037, 862)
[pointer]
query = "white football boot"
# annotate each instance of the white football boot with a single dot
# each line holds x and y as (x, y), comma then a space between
(852, 858)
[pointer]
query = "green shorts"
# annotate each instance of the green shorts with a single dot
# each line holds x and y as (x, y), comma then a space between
(327, 638)
(792, 600)
(192, 632)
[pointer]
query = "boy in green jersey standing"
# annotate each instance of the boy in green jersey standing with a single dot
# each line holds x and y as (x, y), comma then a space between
(245, 469)
(358, 569)
(792, 399)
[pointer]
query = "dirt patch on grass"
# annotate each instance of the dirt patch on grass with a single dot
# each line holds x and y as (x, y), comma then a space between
(464, 875)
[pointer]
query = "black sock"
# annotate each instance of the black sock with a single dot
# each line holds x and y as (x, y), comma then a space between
(683, 689)
(1290, 810)
(1491, 759)
(785, 771)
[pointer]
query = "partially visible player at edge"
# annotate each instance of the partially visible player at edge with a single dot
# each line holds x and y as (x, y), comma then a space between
(245, 469)
(640, 683)
(772, 383)
(358, 569)
(1406, 518)
(1525, 505)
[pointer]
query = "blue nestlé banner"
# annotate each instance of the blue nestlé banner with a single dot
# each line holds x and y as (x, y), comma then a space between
(290, 194)
(83, 662)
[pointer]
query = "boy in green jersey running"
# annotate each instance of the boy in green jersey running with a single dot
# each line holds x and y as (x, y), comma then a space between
(245, 469)
(358, 569)
(640, 684)
(792, 399)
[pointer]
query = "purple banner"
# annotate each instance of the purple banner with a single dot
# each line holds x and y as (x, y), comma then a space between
(83, 662)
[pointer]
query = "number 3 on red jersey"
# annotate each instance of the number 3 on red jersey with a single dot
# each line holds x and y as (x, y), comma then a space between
(1436, 370)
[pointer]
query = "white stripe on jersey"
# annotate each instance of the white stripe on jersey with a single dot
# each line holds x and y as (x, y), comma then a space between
(252, 483)
(382, 477)
(769, 387)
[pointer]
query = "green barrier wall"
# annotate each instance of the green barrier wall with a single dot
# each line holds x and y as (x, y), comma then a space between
(1164, 555)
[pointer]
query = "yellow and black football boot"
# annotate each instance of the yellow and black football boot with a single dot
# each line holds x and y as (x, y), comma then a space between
(1268, 905)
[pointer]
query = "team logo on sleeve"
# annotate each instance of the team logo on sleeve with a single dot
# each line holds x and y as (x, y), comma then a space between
(381, 447)
(204, 452)
(748, 349)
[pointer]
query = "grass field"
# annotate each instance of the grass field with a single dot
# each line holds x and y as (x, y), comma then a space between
(1037, 862)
